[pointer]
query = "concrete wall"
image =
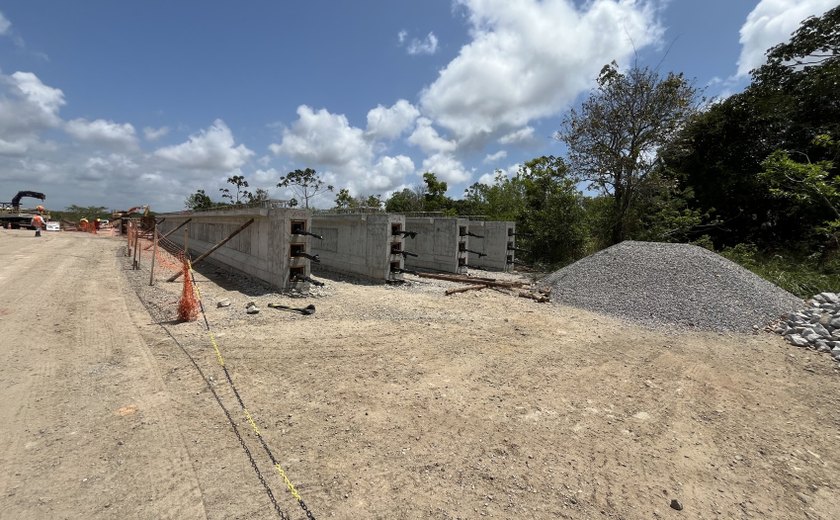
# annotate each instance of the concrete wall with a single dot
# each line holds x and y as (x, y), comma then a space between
(440, 244)
(264, 250)
(360, 244)
(497, 243)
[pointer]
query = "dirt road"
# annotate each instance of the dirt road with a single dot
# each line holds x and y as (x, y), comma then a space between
(388, 403)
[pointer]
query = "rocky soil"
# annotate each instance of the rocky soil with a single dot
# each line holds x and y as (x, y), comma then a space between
(388, 402)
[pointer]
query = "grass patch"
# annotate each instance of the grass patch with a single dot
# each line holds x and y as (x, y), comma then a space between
(802, 276)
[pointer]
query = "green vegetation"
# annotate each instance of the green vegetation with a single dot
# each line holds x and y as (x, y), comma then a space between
(754, 176)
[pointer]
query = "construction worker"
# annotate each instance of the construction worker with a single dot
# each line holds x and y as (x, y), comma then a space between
(38, 222)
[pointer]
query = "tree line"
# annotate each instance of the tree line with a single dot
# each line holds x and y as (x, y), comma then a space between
(657, 161)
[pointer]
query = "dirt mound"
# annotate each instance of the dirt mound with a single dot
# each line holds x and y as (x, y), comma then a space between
(670, 284)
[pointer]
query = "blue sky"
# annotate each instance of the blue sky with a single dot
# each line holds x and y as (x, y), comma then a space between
(125, 103)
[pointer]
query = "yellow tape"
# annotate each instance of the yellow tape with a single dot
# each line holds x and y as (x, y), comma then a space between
(250, 419)
(216, 348)
(289, 484)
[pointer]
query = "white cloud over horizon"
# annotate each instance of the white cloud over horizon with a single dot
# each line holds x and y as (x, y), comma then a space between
(5, 25)
(770, 23)
(103, 132)
(154, 134)
(518, 67)
(427, 45)
(389, 123)
(211, 149)
(341, 153)
(28, 107)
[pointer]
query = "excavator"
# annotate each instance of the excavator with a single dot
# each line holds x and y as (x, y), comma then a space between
(123, 216)
(11, 214)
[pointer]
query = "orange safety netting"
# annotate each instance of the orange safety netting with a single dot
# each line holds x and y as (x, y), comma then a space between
(188, 305)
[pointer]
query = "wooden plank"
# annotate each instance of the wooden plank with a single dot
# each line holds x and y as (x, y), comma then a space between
(212, 249)
(465, 289)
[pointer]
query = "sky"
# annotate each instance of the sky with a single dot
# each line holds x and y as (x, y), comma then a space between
(120, 104)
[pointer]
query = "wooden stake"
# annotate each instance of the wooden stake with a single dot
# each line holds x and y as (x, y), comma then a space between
(154, 254)
(212, 249)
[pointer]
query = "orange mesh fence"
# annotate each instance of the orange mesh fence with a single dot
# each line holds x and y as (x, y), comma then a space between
(188, 304)
(169, 259)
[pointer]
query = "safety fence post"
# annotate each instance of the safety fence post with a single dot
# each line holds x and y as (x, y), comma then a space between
(154, 254)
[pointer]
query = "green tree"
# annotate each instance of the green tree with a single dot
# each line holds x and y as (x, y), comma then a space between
(305, 183)
(260, 195)
(808, 183)
(371, 201)
(614, 137)
(544, 201)
(241, 194)
(198, 200)
(435, 198)
(405, 201)
(551, 223)
(343, 199)
(719, 156)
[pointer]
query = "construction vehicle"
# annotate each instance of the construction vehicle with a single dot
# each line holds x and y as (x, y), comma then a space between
(12, 215)
(123, 216)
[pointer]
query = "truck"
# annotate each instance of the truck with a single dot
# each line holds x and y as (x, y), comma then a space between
(15, 217)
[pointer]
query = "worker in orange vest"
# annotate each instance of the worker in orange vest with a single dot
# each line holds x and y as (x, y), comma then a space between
(37, 222)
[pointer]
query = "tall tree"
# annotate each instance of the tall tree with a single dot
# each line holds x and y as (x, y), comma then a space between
(305, 183)
(405, 201)
(435, 198)
(614, 137)
(241, 194)
(198, 200)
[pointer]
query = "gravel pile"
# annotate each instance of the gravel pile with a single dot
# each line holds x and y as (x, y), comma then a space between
(816, 326)
(671, 285)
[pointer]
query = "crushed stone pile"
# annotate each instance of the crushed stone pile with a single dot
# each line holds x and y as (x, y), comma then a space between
(817, 326)
(663, 284)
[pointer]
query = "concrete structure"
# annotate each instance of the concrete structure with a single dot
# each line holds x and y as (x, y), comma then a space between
(367, 245)
(271, 249)
(497, 242)
(441, 244)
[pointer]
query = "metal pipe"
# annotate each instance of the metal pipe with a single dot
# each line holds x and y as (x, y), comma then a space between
(408, 234)
(298, 232)
(475, 252)
(304, 254)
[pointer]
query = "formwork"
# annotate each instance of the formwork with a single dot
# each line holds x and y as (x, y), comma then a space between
(366, 245)
(492, 244)
(275, 248)
(441, 244)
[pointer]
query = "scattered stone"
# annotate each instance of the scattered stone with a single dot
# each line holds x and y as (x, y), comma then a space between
(224, 302)
(252, 308)
(816, 327)
(797, 340)
(676, 504)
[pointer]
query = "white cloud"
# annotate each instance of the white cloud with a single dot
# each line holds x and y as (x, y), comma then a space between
(401, 36)
(323, 138)
(389, 123)
(212, 149)
(340, 153)
(102, 132)
(5, 25)
(427, 138)
(428, 45)
(153, 134)
(772, 22)
(27, 108)
(494, 157)
(530, 59)
(446, 168)
(518, 136)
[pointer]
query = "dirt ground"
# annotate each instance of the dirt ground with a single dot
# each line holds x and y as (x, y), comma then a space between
(388, 403)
